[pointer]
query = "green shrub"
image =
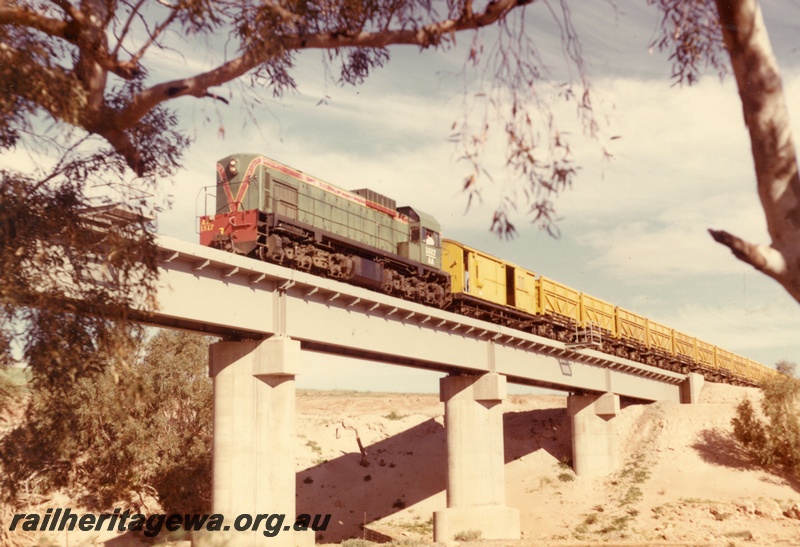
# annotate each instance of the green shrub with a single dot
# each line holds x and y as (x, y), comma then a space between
(633, 495)
(424, 528)
(468, 535)
(123, 432)
(776, 440)
(314, 446)
(356, 542)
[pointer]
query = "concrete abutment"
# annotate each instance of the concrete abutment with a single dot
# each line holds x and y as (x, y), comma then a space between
(691, 388)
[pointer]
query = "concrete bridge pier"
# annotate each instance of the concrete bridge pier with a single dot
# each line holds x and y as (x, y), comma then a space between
(475, 460)
(691, 388)
(253, 447)
(594, 437)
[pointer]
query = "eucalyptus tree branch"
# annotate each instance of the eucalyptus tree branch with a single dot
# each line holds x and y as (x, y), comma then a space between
(268, 34)
(67, 8)
(767, 119)
(427, 36)
(762, 258)
(24, 16)
(126, 27)
(135, 58)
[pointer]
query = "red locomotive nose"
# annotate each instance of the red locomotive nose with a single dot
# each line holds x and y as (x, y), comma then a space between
(231, 231)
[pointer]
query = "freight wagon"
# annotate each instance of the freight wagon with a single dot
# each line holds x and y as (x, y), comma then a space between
(493, 289)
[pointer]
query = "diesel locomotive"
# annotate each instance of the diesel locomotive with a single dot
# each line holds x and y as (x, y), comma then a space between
(272, 212)
(275, 213)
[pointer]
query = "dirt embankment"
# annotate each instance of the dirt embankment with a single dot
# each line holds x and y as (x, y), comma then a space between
(682, 481)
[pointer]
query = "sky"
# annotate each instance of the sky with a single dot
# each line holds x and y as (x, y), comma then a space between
(633, 228)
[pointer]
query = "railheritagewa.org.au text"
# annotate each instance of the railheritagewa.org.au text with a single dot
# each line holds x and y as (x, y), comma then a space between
(61, 519)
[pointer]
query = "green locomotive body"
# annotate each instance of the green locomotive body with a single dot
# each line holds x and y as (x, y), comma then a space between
(276, 213)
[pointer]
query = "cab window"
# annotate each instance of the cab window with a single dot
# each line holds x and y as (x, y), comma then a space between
(430, 237)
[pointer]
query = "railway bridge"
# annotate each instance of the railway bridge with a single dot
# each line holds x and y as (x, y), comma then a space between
(268, 315)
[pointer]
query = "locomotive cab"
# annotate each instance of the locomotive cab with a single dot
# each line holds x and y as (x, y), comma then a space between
(424, 243)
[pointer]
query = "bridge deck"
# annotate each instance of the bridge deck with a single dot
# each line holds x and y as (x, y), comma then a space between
(207, 290)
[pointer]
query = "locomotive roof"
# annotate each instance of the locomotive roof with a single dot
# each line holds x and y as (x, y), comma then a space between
(405, 213)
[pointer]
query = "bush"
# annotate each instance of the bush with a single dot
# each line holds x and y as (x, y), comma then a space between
(468, 535)
(774, 442)
(356, 542)
(122, 433)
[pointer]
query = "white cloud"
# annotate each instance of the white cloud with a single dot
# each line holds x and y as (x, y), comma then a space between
(674, 243)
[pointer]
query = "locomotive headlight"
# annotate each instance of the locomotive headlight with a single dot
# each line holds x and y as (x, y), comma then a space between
(232, 168)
